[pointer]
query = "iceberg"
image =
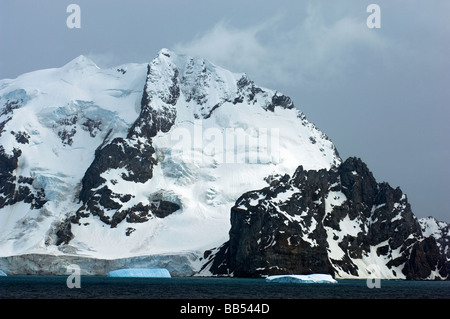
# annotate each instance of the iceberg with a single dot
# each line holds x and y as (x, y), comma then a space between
(313, 278)
(2, 273)
(140, 273)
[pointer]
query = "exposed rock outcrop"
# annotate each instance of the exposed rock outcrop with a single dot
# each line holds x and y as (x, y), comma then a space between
(338, 221)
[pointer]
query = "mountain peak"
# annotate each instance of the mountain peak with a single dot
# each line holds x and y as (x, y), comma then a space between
(165, 52)
(81, 62)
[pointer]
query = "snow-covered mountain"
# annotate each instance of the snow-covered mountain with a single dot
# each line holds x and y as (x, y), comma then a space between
(142, 158)
(140, 164)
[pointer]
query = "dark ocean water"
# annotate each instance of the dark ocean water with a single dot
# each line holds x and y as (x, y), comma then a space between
(93, 287)
(105, 297)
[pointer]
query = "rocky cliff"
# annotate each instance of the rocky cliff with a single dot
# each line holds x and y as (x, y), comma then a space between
(339, 221)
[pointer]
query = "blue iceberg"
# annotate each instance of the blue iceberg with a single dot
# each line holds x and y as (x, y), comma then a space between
(2, 273)
(140, 273)
(306, 279)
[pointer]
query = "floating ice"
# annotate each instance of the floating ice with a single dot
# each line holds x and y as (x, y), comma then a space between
(141, 272)
(2, 273)
(313, 278)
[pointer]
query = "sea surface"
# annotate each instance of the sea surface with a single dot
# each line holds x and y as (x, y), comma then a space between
(196, 297)
(99, 287)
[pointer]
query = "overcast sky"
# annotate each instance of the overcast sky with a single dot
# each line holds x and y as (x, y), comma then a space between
(381, 94)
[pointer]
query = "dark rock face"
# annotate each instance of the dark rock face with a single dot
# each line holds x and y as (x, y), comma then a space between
(136, 162)
(150, 121)
(258, 249)
(324, 222)
(440, 231)
(424, 258)
(280, 100)
(21, 137)
(135, 158)
(13, 188)
(164, 208)
(247, 90)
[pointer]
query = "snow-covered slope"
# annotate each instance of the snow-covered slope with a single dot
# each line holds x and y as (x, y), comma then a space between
(140, 159)
(53, 120)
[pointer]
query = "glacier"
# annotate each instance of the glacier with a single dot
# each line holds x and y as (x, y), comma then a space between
(178, 265)
(140, 273)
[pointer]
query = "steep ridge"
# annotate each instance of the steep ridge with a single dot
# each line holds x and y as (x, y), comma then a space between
(338, 221)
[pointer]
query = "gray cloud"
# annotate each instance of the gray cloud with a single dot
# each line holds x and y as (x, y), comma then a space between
(312, 49)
